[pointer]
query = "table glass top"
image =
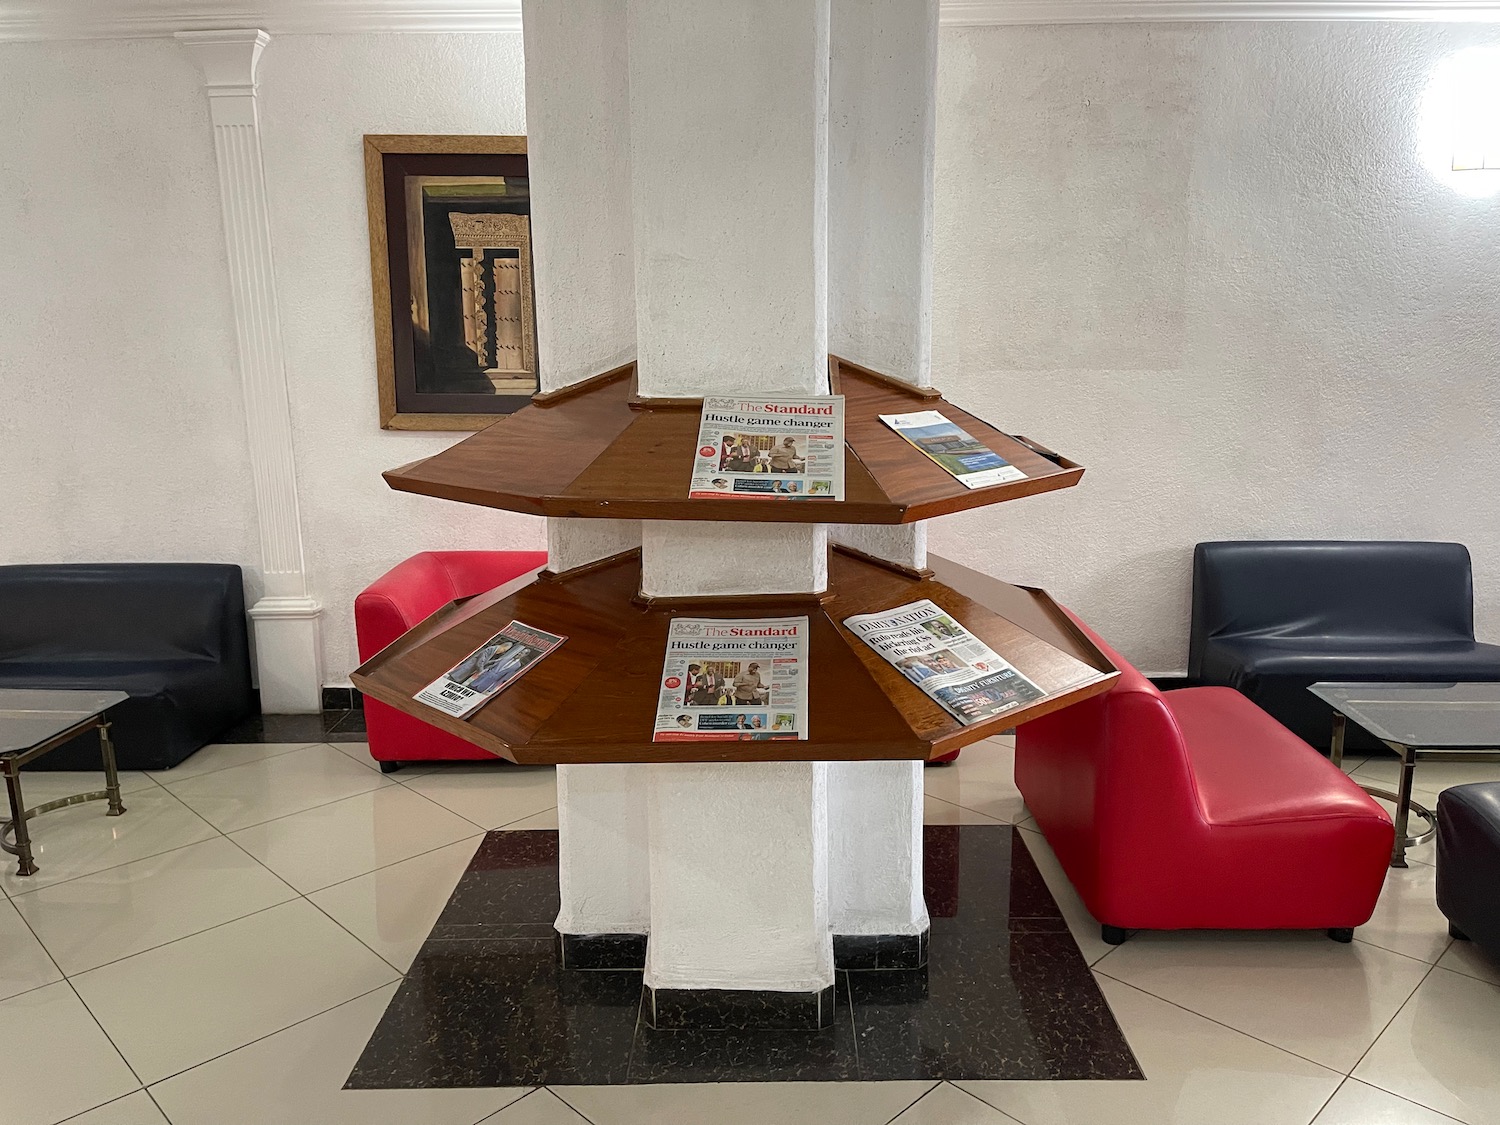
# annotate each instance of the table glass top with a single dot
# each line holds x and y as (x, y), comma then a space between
(1435, 716)
(29, 717)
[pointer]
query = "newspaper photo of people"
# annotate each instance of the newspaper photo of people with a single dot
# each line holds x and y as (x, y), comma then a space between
(494, 665)
(722, 678)
(945, 660)
(792, 448)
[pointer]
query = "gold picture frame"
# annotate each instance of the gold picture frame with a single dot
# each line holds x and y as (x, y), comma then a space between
(452, 293)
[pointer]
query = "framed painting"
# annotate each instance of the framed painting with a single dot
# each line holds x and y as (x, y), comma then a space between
(450, 259)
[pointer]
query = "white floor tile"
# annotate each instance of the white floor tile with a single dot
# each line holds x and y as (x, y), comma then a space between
(489, 795)
(359, 751)
(948, 1105)
(240, 796)
(394, 909)
(132, 1109)
(82, 840)
(295, 1077)
(1083, 925)
(547, 818)
(1197, 1073)
(935, 811)
(24, 963)
(223, 756)
(40, 786)
(69, 1065)
(176, 1006)
(338, 841)
(540, 1107)
(1443, 1049)
(1430, 777)
(744, 1103)
(982, 780)
(99, 918)
(1358, 1104)
(1467, 958)
(1406, 918)
(1314, 997)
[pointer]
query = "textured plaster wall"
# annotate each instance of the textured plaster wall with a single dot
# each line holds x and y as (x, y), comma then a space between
(1205, 261)
(319, 95)
(122, 434)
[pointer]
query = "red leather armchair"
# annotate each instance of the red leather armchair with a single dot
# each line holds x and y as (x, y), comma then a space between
(1194, 809)
(403, 597)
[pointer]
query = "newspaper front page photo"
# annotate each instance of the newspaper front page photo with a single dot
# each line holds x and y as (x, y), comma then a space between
(734, 680)
(783, 448)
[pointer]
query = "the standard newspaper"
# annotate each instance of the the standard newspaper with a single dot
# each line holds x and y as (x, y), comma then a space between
(494, 665)
(786, 448)
(945, 660)
(734, 679)
(972, 464)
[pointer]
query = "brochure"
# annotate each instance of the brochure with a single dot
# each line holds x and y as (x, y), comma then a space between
(945, 660)
(734, 680)
(974, 465)
(786, 448)
(490, 668)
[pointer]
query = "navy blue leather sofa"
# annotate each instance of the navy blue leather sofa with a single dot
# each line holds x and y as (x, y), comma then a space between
(171, 635)
(1468, 863)
(1272, 618)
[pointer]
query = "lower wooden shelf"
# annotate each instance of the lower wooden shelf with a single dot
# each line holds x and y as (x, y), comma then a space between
(594, 699)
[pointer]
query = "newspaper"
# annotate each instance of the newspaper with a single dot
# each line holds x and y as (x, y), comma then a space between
(974, 465)
(945, 660)
(734, 680)
(787, 448)
(491, 667)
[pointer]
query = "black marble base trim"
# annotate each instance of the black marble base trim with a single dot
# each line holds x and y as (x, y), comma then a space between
(864, 952)
(1005, 993)
(722, 1009)
(594, 952)
(343, 699)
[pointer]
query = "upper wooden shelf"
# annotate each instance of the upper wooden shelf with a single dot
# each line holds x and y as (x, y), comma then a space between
(595, 449)
(594, 699)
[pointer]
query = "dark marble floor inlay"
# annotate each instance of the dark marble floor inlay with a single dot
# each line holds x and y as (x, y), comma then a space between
(1005, 993)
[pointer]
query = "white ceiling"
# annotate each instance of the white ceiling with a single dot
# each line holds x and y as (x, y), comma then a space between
(90, 19)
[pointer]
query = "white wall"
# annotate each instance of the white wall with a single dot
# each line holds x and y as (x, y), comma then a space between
(1205, 261)
(1202, 259)
(122, 432)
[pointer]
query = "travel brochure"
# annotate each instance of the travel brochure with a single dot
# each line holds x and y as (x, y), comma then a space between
(733, 680)
(489, 669)
(973, 465)
(781, 448)
(945, 660)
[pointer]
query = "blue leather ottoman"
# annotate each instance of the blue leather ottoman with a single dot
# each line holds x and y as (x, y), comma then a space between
(1468, 867)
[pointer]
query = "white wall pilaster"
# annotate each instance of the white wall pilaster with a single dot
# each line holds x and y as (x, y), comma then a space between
(285, 620)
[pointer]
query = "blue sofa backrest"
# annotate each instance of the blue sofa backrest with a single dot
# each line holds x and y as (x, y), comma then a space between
(122, 611)
(1322, 589)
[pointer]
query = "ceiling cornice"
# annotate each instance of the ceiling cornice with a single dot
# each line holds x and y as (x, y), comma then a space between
(135, 19)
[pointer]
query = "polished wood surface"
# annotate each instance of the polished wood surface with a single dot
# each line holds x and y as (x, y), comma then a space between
(598, 450)
(594, 699)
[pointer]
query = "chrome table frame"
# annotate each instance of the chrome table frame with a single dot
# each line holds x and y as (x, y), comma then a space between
(1405, 806)
(10, 767)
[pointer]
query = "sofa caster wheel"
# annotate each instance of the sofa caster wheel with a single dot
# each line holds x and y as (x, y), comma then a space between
(389, 767)
(1343, 934)
(1113, 935)
(1456, 934)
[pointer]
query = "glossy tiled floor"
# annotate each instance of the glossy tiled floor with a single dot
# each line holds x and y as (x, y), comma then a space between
(221, 954)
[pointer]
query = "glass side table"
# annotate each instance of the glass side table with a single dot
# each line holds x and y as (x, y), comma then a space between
(33, 722)
(1421, 722)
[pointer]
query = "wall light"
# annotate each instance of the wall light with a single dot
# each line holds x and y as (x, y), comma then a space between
(1460, 137)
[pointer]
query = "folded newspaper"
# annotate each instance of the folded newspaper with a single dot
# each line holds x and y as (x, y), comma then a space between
(491, 667)
(945, 660)
(733, 680)
(784, 448)
(954, 449)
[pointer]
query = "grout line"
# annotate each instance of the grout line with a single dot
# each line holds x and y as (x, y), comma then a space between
(996, 1108)
(919, 1097)
(112, 1101)
(1327, 1101)
(1221, 1023)
(495, 1113)
(1387, 1026)
(157, 1104)
(291, 748)
(556, 1093)
(278, 1031)
(387, 866)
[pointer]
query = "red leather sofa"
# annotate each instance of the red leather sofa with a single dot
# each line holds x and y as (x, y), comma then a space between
(403, 597)
(1194, 809)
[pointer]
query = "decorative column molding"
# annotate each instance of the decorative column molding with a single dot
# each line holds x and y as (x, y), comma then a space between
(287, 643)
